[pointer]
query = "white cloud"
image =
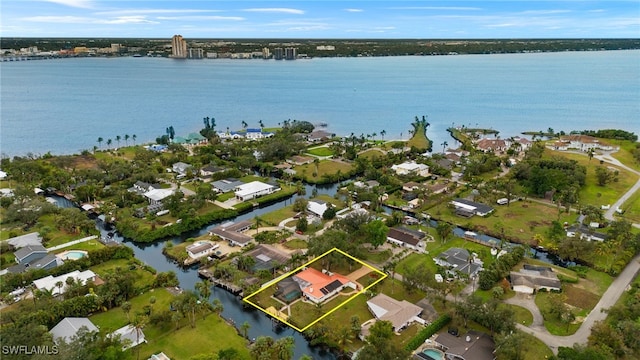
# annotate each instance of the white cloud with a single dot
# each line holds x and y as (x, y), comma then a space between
(84, 4)
(543, 12)
(89, 20)
(457, 8)
(385, 27)
(201, 17)
(276, 10)
(354, 10)
(155, 11)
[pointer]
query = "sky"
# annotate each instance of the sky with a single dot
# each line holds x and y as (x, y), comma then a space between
(327, 19)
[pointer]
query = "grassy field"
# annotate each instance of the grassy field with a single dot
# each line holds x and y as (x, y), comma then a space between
(534, 349)
(325, 167)
(631, 208)
(142, 278)
(555, 326)
(371, 154)
(521, 220)
(296, 244)
(320, 151)
(592, 193)
(624, 155)
(521, 315)
(419, 139)
(86, 246)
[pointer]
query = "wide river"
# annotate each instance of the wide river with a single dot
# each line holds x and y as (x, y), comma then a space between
(64, 105)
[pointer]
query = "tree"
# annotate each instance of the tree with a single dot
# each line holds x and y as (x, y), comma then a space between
(302, 224)
(118, 139)
(109, 142)
(300, 205)
(152, 301)
(244, 124)
(444, 146)
(203, 288)
(444, 230)
(383, 133)
(265, 348)
(510, 346)
(134, 137)
(100, 140)
(139, 322)
(261, 124)
(245, 329)
(126, 139)
(376, 232)
(126, 307)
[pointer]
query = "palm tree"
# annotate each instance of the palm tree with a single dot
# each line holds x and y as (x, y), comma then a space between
(118, 139)
(204, 289)
(139, 323)
(383, 133)
(152, 300)
(217, 306)
(109, 143)
(261, 124)
(134, 139)
(245, 329)
(126, 139)
(444, 145)
(100, 140)
(59, 284)
(126, 307)
(244, 124)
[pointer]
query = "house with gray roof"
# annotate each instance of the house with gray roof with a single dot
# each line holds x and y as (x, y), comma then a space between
(30, 253)
(68, 327)
(407, 238)
(226, 185)
(469, 208)
(472, 346)
(400, 313)
(24, 240)
(458, 260)
(233, 232)
(130, 336)
(532, 278)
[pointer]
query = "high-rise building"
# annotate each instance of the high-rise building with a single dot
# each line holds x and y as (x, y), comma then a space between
(278, 54)
(290, 53)
(196, 53)
(178, 47)
(266, 53)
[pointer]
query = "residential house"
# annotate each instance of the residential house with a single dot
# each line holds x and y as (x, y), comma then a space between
(30, 253)
(156, 196)
(300, 160)
(533, 278)
(521, 143)
(254, 189)
(288, 290)
(487, 145)
(159, 356)
(320, 135)
(201, 249)
(256, 134)
(318, 286)
(233, 232)
(141, 187)
(473, 346)
(400, 313)
(585, 232)
(50, 283)
(317, 207)
(446, 163)
(181, 168)
(407, 238)
(226, 185)
(469, 208)
(458, 260)
(436, 188)
(355, 210)
(585, 143)
(411, 168)
(208, 170)
(560, 145)
(455, 158)
(411, 186)
(267, 257)
(24, 240)
(130, 336)
(68, 327)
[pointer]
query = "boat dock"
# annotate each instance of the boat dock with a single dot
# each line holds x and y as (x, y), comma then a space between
(207, 274)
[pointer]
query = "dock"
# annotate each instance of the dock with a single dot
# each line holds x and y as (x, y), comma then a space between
(207, 274)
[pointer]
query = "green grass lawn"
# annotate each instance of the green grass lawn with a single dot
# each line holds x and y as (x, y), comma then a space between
(372, 154)
(274, 218)
(320, 151)
(592, 193)
(631, 208)
(521, 315)
(141, 277)
(419, 139)
(325, 167)
(624, 155)
(555, 326)
(226, 196)
(534, 349)
(296, 244)
(86, 246)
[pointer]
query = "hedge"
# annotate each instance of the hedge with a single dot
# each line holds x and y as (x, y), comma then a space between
(425, 333)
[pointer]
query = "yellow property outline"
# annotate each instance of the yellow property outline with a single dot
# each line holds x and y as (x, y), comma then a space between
(276, 280)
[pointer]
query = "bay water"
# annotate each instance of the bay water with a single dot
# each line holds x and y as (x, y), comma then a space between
(62, 106)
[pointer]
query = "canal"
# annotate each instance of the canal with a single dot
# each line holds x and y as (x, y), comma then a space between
(234, 311)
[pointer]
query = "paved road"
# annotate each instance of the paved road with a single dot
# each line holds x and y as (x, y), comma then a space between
(581, 336)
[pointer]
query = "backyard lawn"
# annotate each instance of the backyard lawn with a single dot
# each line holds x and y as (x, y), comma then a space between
(320, 151)
(325, 168)
(142, 278)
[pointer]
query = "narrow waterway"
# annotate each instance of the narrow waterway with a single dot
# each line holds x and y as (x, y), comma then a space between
(234, 311)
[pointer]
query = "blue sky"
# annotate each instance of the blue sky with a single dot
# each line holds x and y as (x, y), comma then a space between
(320, 19)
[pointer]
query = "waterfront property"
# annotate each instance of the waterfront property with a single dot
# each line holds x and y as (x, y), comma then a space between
(226, 185)
(233, 232)
(318, 286)
(267, 257)
(33, 257)
(68, 327)
(317, 207)
(400, 313)
(200, 249)
(130, 336)
(254, 189)
(469, 208)
(411, 168)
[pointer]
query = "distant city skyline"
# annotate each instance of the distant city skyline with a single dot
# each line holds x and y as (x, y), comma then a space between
(320, 19)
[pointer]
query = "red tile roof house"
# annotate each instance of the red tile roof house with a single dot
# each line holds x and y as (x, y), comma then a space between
(487, 145)
(319, 286)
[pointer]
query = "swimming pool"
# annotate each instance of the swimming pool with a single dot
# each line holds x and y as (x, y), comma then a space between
(433, 354)
(73, 255)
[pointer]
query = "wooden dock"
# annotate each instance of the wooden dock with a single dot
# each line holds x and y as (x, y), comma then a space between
(207, 274)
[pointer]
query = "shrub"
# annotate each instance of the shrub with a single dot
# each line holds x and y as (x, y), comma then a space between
(426, 332)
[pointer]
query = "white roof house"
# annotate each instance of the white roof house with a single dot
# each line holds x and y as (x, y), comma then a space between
(68, 327)
(130, 336)
(317, 207)
(411, 168)
(50, 282)
(399, 313)
(156, 196)
(253, 190)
